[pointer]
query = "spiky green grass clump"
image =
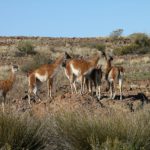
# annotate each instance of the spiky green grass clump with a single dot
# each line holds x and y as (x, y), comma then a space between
(20, 132)
(126, 131)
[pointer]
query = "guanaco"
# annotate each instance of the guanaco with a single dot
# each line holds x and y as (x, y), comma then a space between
(108, 66)
(6, 85)
(46, 72)
(79, 70)
(95, 78)
(114, 75)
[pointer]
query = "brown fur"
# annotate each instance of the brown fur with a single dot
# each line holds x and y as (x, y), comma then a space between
(113, 74)
(6, 85)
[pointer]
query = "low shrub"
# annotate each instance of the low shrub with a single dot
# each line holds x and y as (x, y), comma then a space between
(140, 45)
(129, 49)
(132, 49)
(100, 47)
(25, 48)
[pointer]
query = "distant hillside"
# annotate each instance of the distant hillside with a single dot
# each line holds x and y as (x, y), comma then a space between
(8, 41)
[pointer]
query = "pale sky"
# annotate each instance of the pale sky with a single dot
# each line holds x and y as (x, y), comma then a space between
(73, 18)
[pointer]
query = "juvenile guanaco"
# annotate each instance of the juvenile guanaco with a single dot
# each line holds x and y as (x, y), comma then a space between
(7, 84)
(114, 75)
(45, 73)
(95, 78)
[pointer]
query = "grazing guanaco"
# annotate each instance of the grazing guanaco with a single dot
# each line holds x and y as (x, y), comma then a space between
(44, 73)
(79, 70)
(6, 85)
(114, 75)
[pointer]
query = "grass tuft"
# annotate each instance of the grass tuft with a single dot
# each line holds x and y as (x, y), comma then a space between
(20, 132)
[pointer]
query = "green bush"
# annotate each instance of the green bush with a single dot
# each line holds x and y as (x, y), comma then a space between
(132, 49)
(129, 49)
(26, 47)
(20, 132)
(140, 45)
(142, 41)
(100, 47)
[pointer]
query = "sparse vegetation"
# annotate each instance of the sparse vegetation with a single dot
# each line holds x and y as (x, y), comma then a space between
(138, 76)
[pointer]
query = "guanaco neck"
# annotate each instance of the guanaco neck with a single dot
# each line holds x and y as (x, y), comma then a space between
(12, 78)
(95, 60)
(58, 61)
(108, 64)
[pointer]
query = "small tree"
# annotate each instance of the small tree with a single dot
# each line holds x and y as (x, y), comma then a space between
(116, 33)
(26, 47)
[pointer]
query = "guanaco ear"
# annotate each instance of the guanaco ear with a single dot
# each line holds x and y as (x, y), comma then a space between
(67, 56)
(16, 67)
(109, 57)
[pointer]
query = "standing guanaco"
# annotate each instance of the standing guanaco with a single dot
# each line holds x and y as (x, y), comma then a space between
(79, 70)
(95, 78)
(45, 73)
(6, 85)
(114, 75)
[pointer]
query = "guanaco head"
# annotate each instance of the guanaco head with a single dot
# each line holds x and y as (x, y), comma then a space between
(103, 53)
(110, 58)
(14, 68)
(66, 57)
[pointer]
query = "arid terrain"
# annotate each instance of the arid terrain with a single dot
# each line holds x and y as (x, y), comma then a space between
(136, 86)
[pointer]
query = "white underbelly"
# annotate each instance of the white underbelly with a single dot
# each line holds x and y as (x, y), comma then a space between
(42, 78)
(75, 71)
(67, 75)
